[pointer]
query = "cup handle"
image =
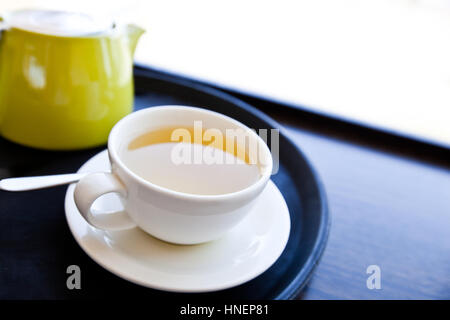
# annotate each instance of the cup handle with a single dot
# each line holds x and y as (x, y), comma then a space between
(91, 187)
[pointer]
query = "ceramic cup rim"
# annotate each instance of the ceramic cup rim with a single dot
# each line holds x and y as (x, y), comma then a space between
(115, 137)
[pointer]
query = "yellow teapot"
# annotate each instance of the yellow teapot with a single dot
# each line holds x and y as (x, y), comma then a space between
(65, 79)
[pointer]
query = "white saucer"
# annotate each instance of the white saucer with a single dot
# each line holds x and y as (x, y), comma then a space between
(244, 253)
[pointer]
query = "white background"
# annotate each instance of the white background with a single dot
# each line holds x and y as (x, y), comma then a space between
(382, 62)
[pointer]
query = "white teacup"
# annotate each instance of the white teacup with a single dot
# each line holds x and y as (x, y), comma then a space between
(170, 215)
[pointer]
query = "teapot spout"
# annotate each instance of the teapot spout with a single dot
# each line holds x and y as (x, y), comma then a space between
(133, 33)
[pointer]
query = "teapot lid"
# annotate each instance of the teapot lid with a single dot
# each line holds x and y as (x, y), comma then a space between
(59, 23)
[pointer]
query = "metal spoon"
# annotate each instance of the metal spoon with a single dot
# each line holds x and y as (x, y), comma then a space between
(40, 182)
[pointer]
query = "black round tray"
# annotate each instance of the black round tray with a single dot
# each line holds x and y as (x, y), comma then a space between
(36, 245)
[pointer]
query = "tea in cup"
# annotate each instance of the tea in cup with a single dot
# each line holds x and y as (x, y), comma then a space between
(186, 175)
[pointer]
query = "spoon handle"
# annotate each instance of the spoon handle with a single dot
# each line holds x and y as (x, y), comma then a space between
(40, 182)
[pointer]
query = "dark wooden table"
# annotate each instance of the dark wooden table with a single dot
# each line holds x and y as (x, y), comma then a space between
(390, 206)
(389, 201)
